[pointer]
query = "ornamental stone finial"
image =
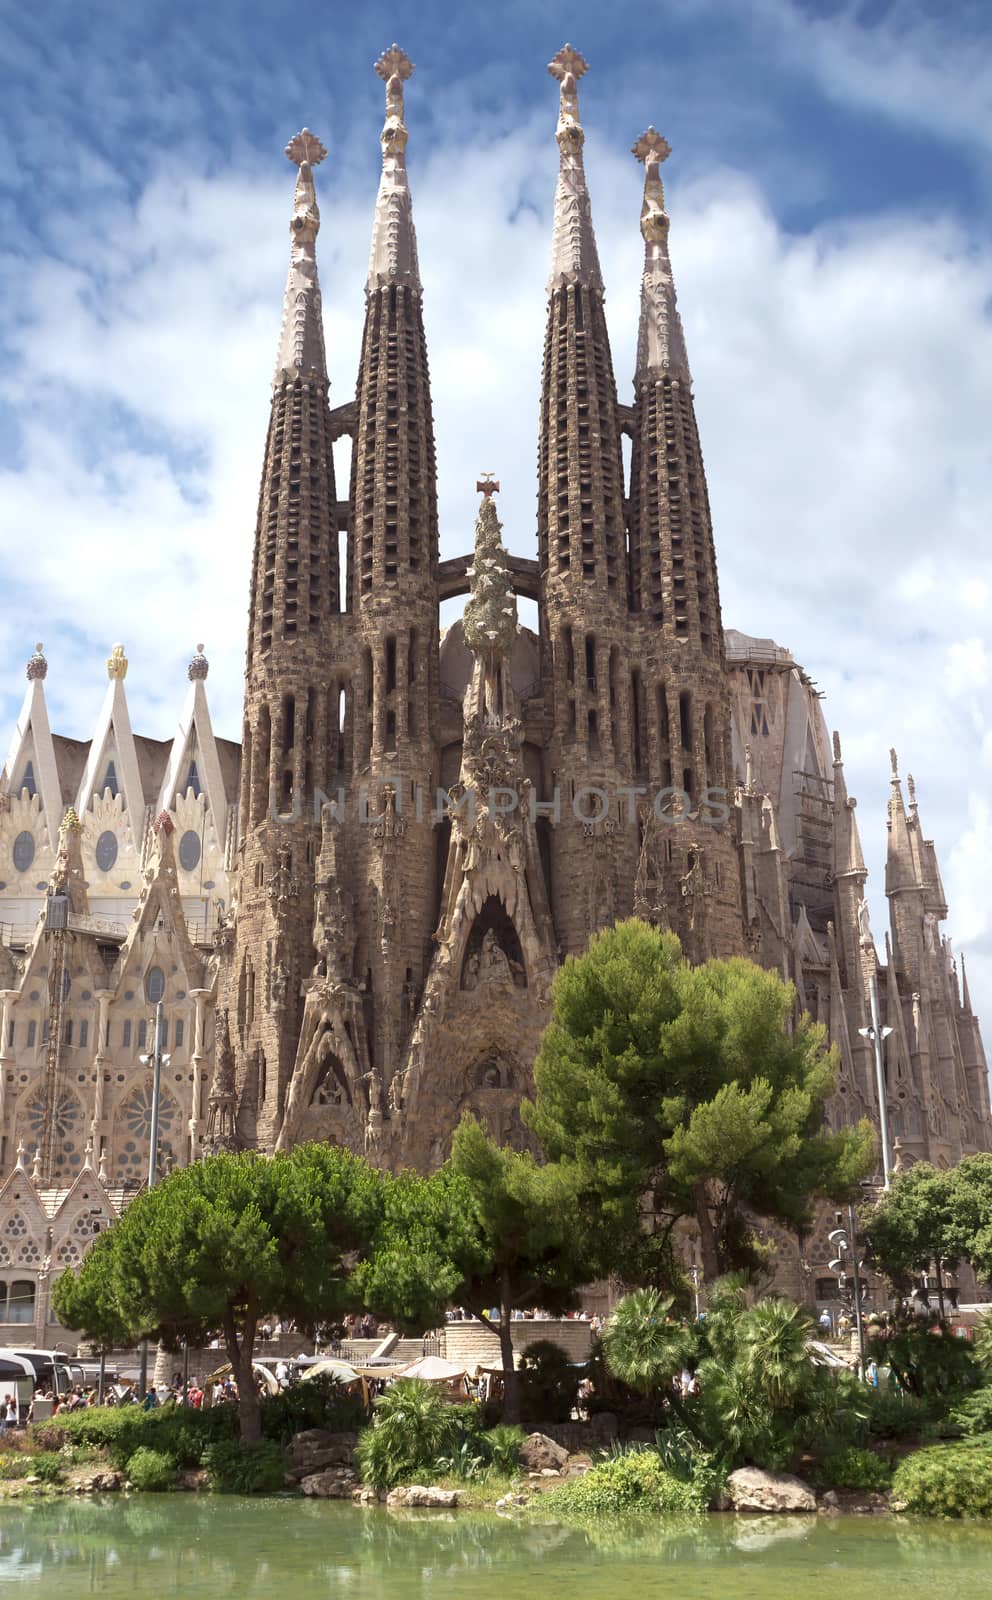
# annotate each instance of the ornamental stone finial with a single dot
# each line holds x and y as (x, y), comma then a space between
(894, 761)
(117, 663)
(37, 666)
(199, 666)
(568, 66)
(837, 755)
(652, 148)
(393, 253)
(301, 338)
(394, 68)
(70, 824)
(305, 149)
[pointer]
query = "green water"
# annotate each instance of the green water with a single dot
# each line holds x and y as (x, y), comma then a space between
(283, 1549)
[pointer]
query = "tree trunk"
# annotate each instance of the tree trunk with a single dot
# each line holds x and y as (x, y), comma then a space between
(707, 1236)
(240, 1353)
(511, 1377)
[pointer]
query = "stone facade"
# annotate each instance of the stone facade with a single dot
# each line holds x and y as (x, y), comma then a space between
(353, 922)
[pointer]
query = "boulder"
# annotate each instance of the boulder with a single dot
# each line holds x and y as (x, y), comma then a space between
(511, 1502)
(334, 1483)
(417, 1494)
(539, 1453)
(314, 1449)
(104, 1481)
(753, 1489)
(853, 1503)
(194, 1479)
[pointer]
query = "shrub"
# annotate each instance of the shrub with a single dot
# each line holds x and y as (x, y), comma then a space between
(929, 1365)
(16, 1466)
(121, 1430)
(412, 1426)
(235, 1468)
(48, 1466)
(321, 1402)
(549, 1383)
(634, 1481)
(856, 1469)
(947, 1480)
(465, 1460)
(152, 1469)
(974, 1414)
(503, 1447)
(895, 1415)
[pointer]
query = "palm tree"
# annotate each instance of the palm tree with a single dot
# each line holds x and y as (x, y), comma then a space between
(644, 1347)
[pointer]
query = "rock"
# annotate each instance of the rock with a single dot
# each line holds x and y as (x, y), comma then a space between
(364, 1496)
(753, 1489)
(193, 1479)
(416, 1494)
(105, 1481)
(314, 1449)
(550, 1472)
(334, 1483)
(511, 1502)
(853, 1503)
(539, 1452)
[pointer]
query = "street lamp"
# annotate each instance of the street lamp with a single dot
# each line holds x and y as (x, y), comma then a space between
(877, 1035)
(157, 1060)
(844, 1241)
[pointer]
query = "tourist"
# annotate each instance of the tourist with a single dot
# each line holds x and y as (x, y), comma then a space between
(6, 1406)
(826, 1323)
(150, 1402)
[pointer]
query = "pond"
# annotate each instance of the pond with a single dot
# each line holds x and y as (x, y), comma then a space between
(288, 1549)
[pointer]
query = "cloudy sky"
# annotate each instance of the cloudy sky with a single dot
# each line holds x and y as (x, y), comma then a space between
(829, 193)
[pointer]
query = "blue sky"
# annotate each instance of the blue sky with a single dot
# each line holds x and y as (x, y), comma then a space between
(829, 193)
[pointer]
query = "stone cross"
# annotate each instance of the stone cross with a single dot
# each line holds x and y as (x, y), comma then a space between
(487, 484)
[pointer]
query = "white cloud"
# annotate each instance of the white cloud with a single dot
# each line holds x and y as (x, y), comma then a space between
(842, 383)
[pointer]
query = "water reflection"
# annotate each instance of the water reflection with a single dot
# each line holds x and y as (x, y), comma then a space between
(219, 1546)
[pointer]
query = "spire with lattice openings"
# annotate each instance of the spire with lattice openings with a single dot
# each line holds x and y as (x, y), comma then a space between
(580, 489)
(673, 578)
(301, 337)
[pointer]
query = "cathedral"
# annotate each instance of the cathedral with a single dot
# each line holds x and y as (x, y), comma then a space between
(349, 925)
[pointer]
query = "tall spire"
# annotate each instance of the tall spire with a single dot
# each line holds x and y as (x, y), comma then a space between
(393, 256)
(661, 348)
(574, 257)
(301, 337)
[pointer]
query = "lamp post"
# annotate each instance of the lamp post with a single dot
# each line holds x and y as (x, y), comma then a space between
(877, 1035)
(844, 1240)
(695, 1274)
(157, 1060)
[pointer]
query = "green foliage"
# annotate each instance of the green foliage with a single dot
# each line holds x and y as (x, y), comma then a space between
(691, 1083)
(932, 1215)
(221, 1242)
(321, 1402)
(549, 1383)
(15, 1466)
(892, 1414)
(50, 1468)
(856, 1469)
(464, 1460)
(412, 1426)
(121, 1430)
(928, 1365)
(974, 1413)
(502, 1445)
(152, 1469)
(947, 1480)
(236, 1468)
(425, 1244)
(635, 1481)
(643, 1345)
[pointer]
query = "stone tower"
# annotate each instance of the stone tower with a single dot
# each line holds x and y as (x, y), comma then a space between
(297, 659)
(587, 671)
(680, 701)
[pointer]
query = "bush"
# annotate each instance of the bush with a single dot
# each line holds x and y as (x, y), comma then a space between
(634, 1481)
(549, 1383)
(947, 1480)
(152, 1469)
(503, 1447)
(856, 1469)
(16, 1466)
(929, 1365)
(48, 1466)
(414, 1431)
(121, 1430)
(245, 1469)
(974, 1414)
(321, 1402)
(894, 1415)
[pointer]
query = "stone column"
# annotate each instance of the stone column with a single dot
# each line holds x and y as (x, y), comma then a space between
(8, 999)
(104, 998)
(200, 999)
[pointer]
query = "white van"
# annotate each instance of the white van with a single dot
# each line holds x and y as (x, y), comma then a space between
(45, 1366)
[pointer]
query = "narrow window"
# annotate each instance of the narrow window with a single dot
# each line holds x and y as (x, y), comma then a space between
(390, 665)
(126, 1037)
(84, 1034)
